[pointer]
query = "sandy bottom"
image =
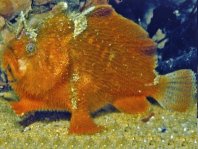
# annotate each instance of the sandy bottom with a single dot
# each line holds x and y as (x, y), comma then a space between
(164, 130)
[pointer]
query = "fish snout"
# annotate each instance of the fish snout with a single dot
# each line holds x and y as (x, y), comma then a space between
(11, 66)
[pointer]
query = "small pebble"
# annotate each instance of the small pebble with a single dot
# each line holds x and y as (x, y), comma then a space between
(26, 129)
(163, 130)
(146, 119)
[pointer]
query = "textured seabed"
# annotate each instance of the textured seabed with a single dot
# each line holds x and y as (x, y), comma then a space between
(164, 130)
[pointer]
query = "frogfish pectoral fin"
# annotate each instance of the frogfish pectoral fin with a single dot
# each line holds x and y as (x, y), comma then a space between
(82, 123)
(27, 105)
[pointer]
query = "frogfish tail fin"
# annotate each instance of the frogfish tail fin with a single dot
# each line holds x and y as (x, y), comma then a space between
(176, 91)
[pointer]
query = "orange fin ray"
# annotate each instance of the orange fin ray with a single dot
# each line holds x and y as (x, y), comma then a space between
(176, 90)
(82, 124)
(25, 106)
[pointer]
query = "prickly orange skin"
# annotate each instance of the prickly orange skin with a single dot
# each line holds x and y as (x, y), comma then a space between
(113, 59)
(47, 68)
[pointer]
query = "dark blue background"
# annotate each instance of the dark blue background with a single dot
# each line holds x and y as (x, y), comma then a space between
(180, 52)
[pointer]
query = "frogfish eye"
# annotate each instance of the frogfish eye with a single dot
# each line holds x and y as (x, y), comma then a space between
(30, 48)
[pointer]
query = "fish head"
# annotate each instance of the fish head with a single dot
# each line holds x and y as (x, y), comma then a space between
(36, 66)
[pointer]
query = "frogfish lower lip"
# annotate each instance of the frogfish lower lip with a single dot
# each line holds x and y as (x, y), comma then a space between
(10, 65)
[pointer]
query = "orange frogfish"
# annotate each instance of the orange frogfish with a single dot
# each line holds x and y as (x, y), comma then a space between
(112, 61)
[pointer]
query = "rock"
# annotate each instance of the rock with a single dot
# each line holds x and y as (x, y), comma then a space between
(2, 22)
(10, 8)
(41, 2)
(62, 6)
(5, 37)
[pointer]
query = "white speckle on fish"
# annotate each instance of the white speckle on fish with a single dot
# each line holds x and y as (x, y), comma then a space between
(22, 65)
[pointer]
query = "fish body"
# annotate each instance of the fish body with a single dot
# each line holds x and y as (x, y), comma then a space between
(111, 62)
